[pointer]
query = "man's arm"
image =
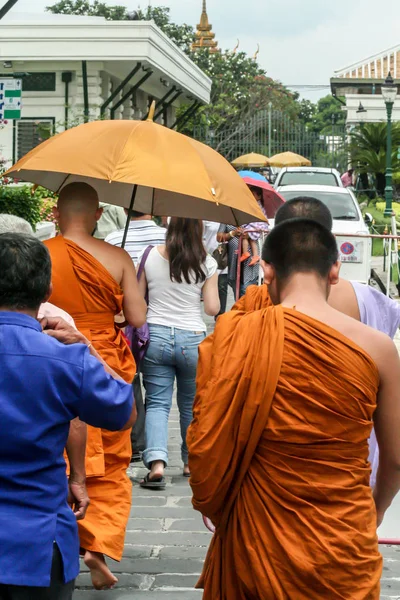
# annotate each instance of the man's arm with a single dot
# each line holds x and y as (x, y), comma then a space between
(387, 429)
(64, 333)
(76, 451)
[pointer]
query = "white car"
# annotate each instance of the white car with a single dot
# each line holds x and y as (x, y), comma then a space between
(355, 252)
(307, 176)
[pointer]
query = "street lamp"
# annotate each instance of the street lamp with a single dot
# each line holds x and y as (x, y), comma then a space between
(389, 93)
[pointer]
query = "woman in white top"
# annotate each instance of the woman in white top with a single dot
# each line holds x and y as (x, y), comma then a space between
(177, 275)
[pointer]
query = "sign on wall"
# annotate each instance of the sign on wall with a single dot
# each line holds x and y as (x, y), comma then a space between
(10, 98)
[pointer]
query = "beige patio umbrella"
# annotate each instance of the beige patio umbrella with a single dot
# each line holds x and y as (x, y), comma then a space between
(289, 159)
(251, 160)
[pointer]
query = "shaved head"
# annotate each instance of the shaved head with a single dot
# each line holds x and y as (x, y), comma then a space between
(78, 208)
(78, 198)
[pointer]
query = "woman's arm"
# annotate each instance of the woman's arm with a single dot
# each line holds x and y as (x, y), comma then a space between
(387, 428)
(226, 237)
(211, 297)
(134, 305)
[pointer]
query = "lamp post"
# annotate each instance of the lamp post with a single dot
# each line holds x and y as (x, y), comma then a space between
(389, 93)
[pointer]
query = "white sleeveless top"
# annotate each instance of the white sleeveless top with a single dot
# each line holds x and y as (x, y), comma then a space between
(174, 304)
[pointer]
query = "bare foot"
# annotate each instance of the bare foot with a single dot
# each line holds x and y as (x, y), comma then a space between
(157, 469)
(102, 578)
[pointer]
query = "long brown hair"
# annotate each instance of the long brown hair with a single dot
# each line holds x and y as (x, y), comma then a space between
(185, 249)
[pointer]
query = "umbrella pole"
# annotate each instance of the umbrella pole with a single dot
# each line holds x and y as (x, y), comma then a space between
(128, 219)
(238, 267)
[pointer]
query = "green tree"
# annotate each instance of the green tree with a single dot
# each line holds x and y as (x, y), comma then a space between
(328, 113)
(307, 111)
(240, 87)
(368, 150)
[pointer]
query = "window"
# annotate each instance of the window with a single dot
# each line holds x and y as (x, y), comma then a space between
(29, 133)
(39, 82)
(341, 204)
(308, 178)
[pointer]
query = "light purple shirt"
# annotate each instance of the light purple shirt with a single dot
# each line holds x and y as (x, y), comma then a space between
(381, 313)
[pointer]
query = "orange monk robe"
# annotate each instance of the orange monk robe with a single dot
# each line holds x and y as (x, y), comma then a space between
(278, 454)
(255, 298)
(89, 293)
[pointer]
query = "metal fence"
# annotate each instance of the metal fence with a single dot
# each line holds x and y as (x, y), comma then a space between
(270, 132)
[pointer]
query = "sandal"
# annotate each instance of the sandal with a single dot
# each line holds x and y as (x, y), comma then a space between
(153, 484)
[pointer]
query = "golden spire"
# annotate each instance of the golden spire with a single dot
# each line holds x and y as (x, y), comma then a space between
(205, 36)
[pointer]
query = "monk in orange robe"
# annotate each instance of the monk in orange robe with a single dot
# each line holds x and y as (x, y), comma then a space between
(278, 448)
(93, 282)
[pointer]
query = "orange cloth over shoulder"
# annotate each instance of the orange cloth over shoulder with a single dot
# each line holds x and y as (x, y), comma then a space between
(255, 298)
(278, 454)
(84, 288)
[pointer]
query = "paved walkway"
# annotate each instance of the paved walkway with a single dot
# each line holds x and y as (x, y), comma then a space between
(166, 541)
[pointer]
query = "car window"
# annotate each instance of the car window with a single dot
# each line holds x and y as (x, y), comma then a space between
(308, 178)
(342, 206)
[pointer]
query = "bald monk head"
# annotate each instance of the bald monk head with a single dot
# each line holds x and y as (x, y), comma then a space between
(300, 246)
(78, 207)
(342, 296)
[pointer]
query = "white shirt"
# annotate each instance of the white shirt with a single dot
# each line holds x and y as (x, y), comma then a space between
(49, 310)
(141, 234)
(210, 239)
(174, 304)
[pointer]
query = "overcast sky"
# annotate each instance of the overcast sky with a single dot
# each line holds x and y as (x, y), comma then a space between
(302, 42)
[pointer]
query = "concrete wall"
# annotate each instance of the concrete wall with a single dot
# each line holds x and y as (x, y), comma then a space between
(374, 105)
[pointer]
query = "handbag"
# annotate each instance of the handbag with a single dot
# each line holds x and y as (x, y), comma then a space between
(138, 430)
(220, 254)
(139, 337)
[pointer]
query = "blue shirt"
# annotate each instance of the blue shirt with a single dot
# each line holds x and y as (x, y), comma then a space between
(43, 386)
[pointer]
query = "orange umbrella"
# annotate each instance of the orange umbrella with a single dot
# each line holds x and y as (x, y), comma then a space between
(145, 167)
(289, 159)
(251, 160)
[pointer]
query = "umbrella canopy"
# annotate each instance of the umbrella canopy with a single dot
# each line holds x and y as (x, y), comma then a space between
(251, 160)
(289, 159)
(143, 166)
(272, 201)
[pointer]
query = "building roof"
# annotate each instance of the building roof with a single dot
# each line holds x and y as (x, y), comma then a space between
(205, 38)
(376, 66)
(16, 18)
(74, 38)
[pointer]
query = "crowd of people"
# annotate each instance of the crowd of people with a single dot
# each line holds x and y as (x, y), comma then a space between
(277, 406)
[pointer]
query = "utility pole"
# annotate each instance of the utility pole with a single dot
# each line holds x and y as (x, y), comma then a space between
(7, 7)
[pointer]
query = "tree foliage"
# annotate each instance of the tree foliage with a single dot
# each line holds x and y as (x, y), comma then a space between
(240, 87)
(324, 116)
(368, 150)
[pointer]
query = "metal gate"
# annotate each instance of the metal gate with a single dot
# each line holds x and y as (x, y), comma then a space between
(270, 132)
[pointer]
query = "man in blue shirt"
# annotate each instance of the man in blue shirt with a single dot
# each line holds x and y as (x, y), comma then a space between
(44, 384)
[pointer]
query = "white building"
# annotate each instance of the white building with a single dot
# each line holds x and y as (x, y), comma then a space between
(360, 84)
(75, 67)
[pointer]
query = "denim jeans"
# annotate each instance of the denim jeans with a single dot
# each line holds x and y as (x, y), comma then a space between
(172, 353)
(243, 286)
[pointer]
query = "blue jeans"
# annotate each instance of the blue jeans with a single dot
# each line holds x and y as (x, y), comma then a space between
(243, 286)
(172, 353)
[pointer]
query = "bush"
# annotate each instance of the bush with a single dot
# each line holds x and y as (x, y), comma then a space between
(395, 206)
(396, 179)
(20, 201)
